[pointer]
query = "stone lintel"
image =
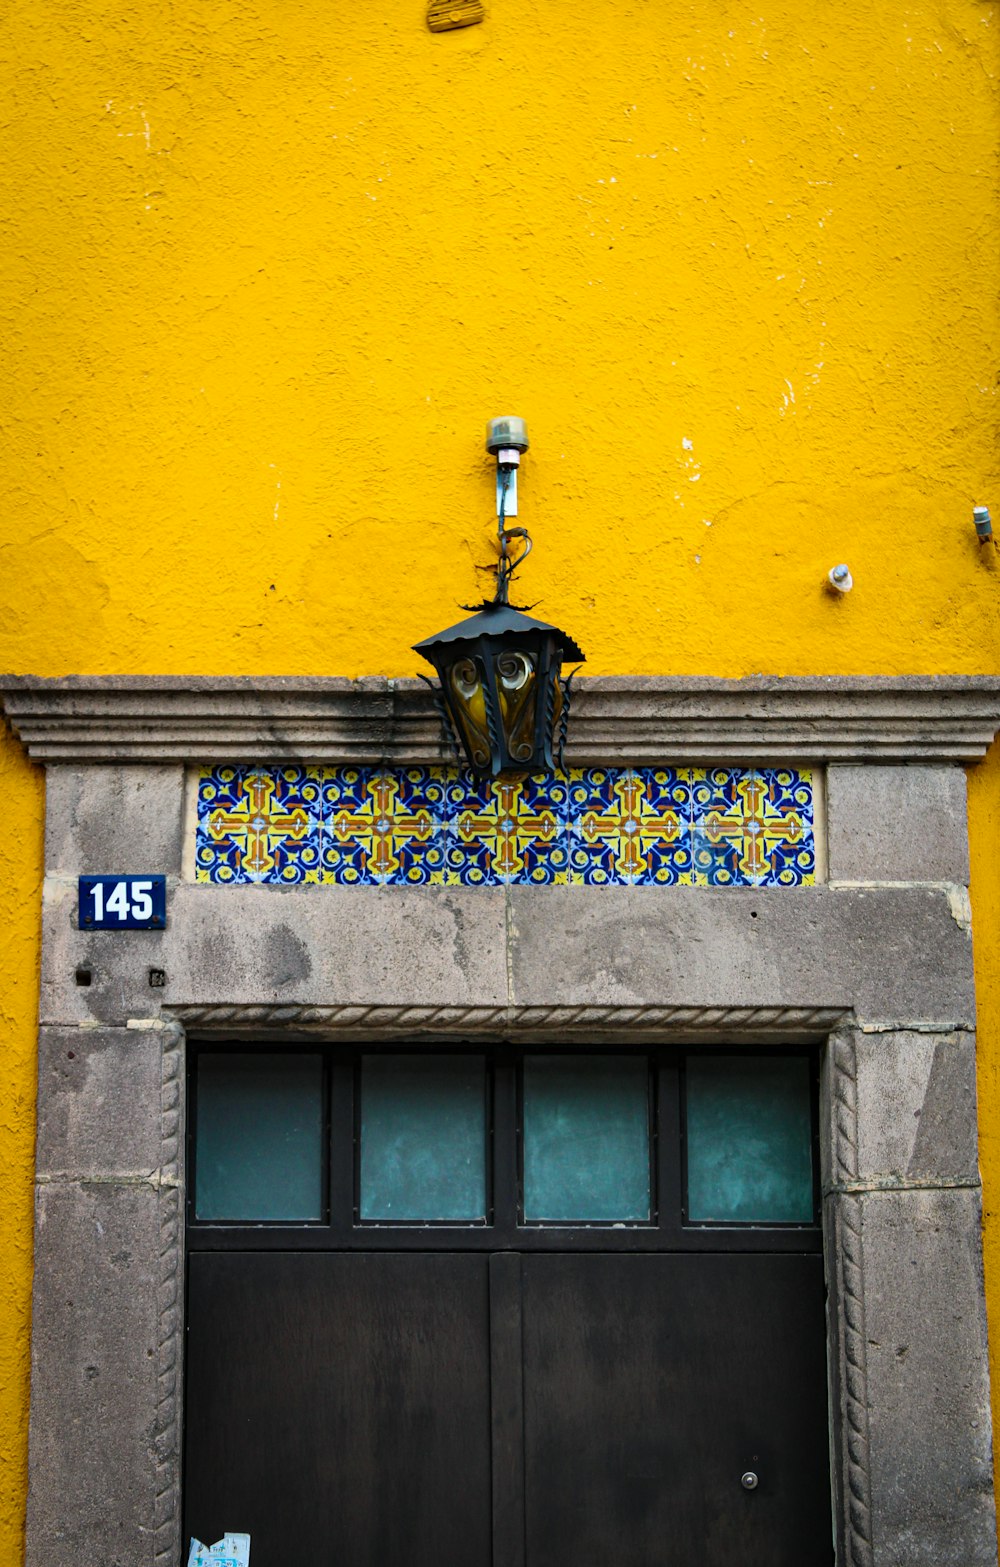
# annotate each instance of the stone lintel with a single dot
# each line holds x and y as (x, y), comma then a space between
(885, 954)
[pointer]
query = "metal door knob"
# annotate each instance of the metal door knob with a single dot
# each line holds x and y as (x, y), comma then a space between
(749, 1481)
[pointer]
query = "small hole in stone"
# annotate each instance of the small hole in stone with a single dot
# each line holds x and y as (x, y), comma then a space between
(83, 976)
(157, 978)
(753, 914)
(71, 1055)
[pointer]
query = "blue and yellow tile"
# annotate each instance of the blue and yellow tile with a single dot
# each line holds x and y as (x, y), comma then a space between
(259, 825)
(752, 828)
(629, 828)
(516, 820)
(378, 825)
(783, 824)
(437, 826)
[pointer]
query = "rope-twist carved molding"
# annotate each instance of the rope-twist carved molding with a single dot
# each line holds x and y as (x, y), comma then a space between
(850, 1292)
(523, 1020)
(169, 1306)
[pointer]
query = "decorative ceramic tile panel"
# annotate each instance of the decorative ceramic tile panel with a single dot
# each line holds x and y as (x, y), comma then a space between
(259, 824)
(436, 826)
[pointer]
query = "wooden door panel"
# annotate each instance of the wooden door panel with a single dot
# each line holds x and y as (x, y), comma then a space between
(338, 1406)
(651, 1384)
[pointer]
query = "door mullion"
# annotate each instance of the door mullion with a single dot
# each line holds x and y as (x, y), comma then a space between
(507, 1409)
(669, 1154)
(342, 1153)
(504, 1150)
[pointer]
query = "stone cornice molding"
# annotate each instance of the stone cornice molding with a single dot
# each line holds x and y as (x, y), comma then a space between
(617, 720)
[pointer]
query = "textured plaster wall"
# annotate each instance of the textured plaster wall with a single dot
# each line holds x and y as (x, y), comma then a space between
(20, 893)
(267, 269)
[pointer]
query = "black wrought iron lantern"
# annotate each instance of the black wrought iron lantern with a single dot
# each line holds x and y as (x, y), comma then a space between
(502, 692)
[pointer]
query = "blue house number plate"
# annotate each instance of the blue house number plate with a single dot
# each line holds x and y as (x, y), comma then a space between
(123, 902)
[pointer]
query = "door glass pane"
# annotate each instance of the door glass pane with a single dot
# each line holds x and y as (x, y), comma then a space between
(259, 1137)
(586, 1138)
(749, 1139)
(423, 1137)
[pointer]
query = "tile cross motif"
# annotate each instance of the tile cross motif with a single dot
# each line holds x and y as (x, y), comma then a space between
(765, 830)
(508, 825)
(426, 826)
(264, 826)
(633, 829)
(382, 826)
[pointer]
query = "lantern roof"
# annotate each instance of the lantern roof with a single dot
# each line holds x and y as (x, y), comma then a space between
(500, 620)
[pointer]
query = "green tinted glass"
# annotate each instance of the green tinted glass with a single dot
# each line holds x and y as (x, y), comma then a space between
(423, 1137)
(259, 1137)
(586, 1138)
(749, 1139)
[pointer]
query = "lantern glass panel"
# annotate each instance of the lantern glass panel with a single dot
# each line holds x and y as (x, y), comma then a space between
(516, 674)
(468, 698)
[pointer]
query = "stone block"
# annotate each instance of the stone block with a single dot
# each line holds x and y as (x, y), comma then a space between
(928, 1386)
(94, 1376)
(108, 819)
(916, 1096)
(893, 954)
(98, 1101)
(318, 946)
(897, 824)
(324, 946)
(114, 964)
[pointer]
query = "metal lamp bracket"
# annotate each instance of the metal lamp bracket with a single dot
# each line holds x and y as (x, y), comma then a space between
(508, 462)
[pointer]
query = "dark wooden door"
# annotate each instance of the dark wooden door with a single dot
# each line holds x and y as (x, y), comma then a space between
(338, 1407)
(651, 1386)
(504, 1390)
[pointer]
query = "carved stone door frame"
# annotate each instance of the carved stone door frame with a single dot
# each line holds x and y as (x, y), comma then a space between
(875, 962)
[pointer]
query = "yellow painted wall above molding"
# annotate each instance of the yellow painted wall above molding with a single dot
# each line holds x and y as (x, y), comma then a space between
(266, 270)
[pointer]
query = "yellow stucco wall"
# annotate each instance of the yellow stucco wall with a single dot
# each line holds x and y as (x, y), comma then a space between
(267, 268)
(20, 892)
